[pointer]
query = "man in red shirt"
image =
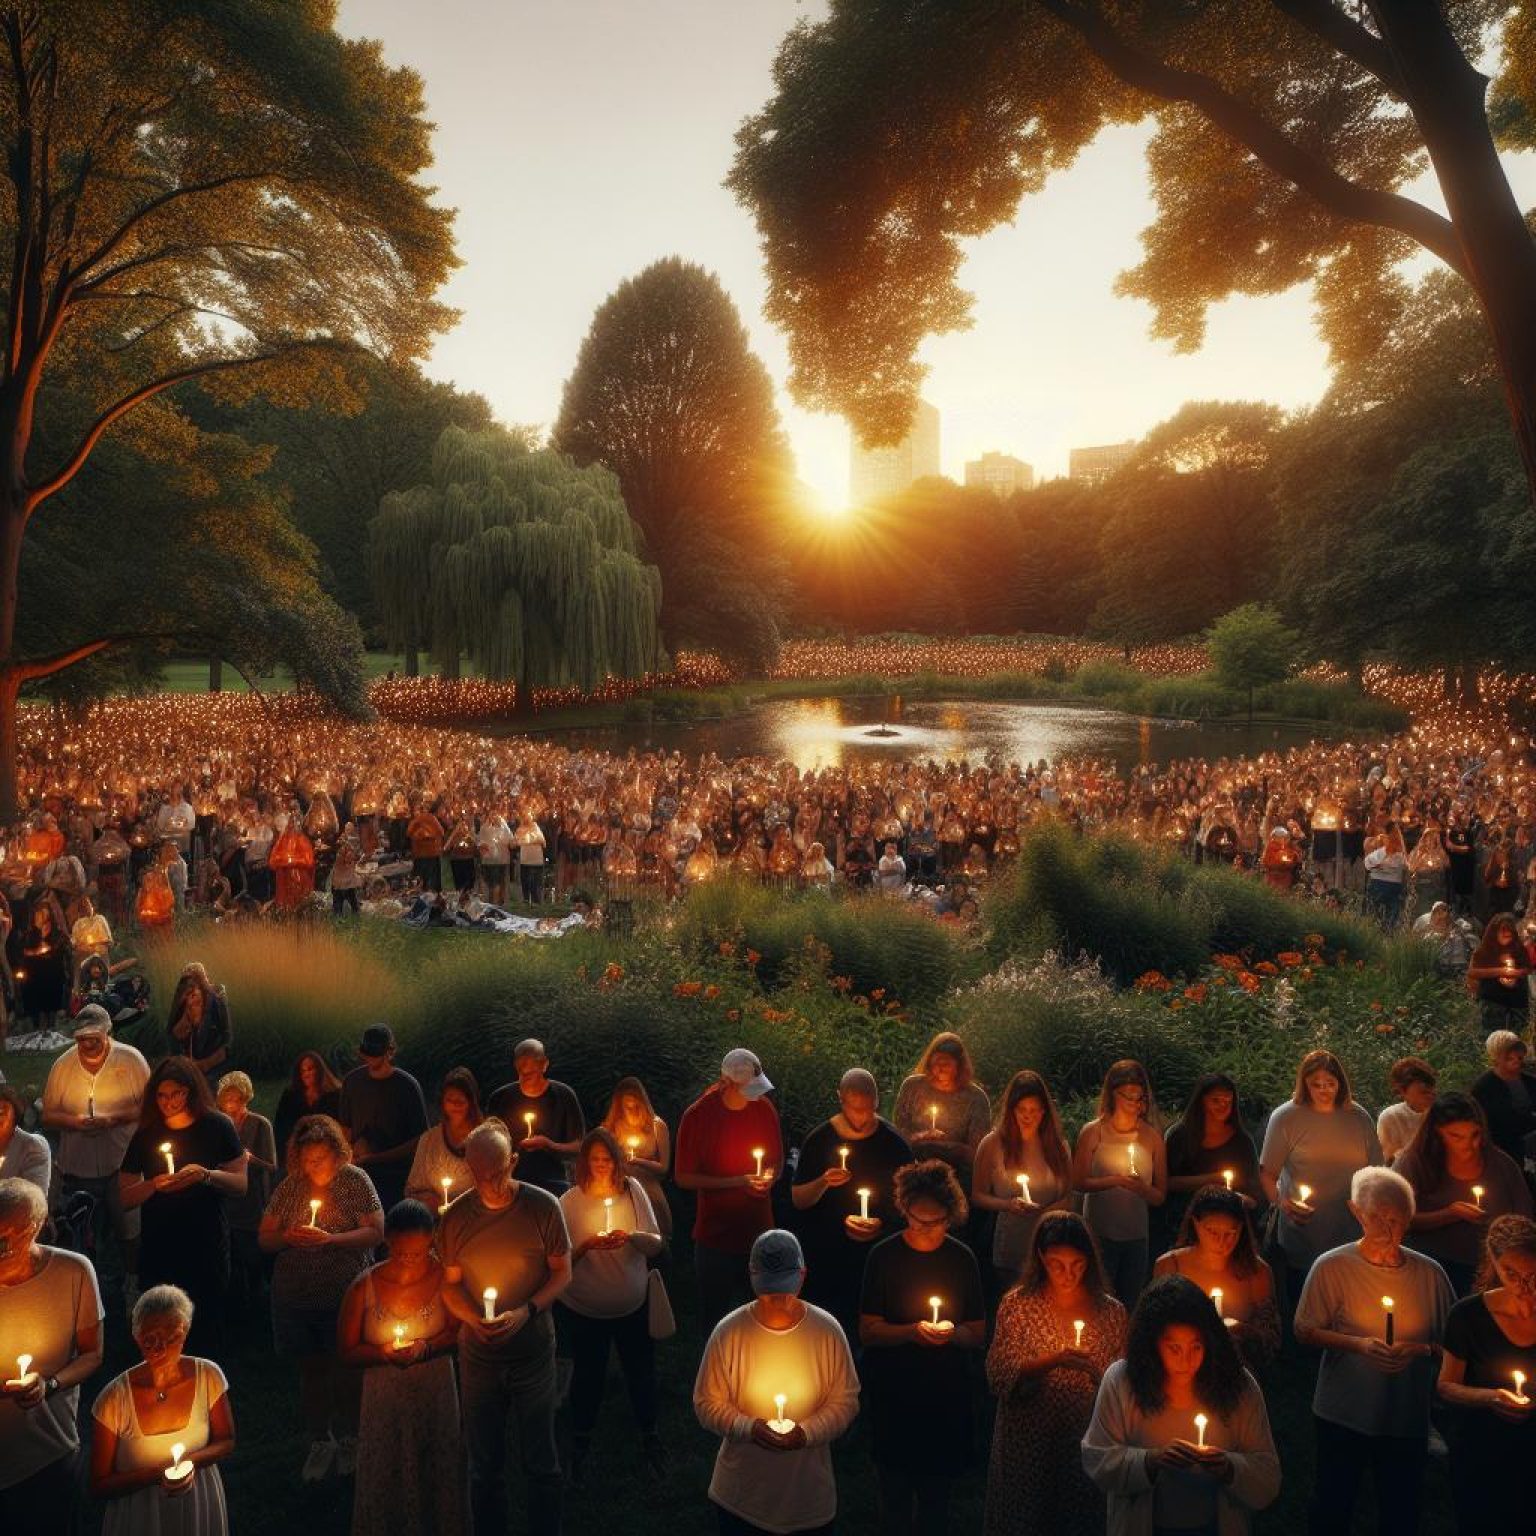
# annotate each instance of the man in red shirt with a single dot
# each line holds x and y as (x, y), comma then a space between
(729, 1151)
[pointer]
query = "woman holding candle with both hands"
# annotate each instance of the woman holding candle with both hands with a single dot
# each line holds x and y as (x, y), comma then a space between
(1377, 1310)
(168, 1413)
(1488, 1380)
(395, 1327)
(1180, 1439)
(647, 1144)
(941, 1109)
(439, 1173)
(1057, 1332)
(323, 1223)
(1209, 1145)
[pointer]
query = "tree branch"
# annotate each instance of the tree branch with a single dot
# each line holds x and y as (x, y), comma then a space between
(46, 666)
(1249, 128)
(1325, 20)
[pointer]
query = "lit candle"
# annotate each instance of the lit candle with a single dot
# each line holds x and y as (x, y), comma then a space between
(1133, 1160)
(1077, 1333)
(757, 1152)
(1227, 1176)
(399, 1335)
(170, 1162)
(178, 1471)
(933, 1117)
(447, 1185)
(1386, 1306)
(607, 1214)
(1024, 1188)
(1305, 1193)
(633, 1143)
(781, 1423)
(1477, 1195)
(1200, 1422)
(314, 1213)
(1519, 1385)
(864, 1204)
(1216, 1299)
(23, 1372)
(842, 1152)
(488, 1296)
(528, 1122)
(941, 1323)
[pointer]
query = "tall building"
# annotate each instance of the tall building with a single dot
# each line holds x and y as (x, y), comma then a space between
(1097, 464)
(878, 472)
(1000, 473)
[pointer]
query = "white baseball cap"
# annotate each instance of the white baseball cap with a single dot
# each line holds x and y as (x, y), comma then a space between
(741, 1067)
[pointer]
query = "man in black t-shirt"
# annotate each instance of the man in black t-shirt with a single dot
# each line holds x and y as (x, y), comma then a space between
(544, 1117)
(383, 1113)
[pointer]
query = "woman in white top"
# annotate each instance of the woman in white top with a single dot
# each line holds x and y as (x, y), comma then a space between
(495, 843)
(613, 1234)
(647, 1144)
(171, 1409)
(439, 1174)
(1413, 1080)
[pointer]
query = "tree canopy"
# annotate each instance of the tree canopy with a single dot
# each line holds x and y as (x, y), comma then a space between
(1285, 134)
(668, 394)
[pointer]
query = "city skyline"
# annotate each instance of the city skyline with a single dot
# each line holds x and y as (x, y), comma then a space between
(609, 154)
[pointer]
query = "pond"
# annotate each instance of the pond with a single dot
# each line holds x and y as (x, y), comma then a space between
(813, 733)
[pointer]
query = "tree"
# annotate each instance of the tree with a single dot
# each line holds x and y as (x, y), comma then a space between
(1250, 647)
(519, 560)
(668, 395)
(221, 190)
(1286, 130)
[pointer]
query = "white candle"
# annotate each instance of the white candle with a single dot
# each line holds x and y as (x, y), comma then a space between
(488, 1296)
(1216, 1299)
(1077, 1334)
(1477, 1195)
(170, 1162)
(864, 1205)
(1200, 1422)
(447, 1185)
(842, 1152)
(178, 1471)
(1227, 1175)
(933, 1301)
(1133, 1160)
(1304, 1192)
(1519, 1385)
(23, 1372)
(607, 1214)
(633, 1143)
(528, 1122)
(933, 1117)
(399, 1335)
(757, 1152)
(1024, 1188)
(781, 1423)
(314, 1213)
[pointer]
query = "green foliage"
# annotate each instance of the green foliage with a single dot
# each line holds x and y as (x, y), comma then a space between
(1251, 646)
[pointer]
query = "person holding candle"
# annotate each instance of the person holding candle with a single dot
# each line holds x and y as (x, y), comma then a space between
(395, 1328)
(50, 1310)
(921, 1313)
(1121, 1164)
(606, 1307)
(547, 1142)
(1218, 1251)
(729, 1150)
(1491, 1426)
(1023, 1169)
(198, 1021)
(1057, 1331)
(1180, 1439)
(941, 1109)
(1496, 974)
(1413, 1081)
(320, 1251)
(777, 1385)
(1507, 1092)
(647, 1144)
(1371, 1405)
(856, 1149)
(506, 1257)
(439, 1173)
(171, 1409)
(23, 1154)
(1459, 1182)
(184, 1192)
(1209, 1145)
(43, 977)
(91, 1101)
(1320, 1138)
(313, 1089)
(383, 1112)
(425, 835)
(247, 1266)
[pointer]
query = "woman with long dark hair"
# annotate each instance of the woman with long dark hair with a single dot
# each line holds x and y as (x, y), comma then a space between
(1496, 974)
(182, 1164)
(1218, 1251)
(1023, 1169)
(439, 1173)
(313, 1089)
(1180, 1438)
(1209, 1145)
(1057, 1332)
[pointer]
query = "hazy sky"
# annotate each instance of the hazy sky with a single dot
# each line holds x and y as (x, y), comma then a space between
(580, 140)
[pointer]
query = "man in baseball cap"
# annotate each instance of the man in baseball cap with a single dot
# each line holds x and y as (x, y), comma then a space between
(742, 1068)
(383, 1113)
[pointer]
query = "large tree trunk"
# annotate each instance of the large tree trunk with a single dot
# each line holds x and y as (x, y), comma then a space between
(215, 674)
(1449, 100)
(9, 686)
(452, 669)
(412, 661)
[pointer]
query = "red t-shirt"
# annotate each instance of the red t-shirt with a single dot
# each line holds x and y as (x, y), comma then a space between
(716, 1142)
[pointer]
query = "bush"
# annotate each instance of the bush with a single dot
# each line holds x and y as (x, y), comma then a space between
(1099, 679)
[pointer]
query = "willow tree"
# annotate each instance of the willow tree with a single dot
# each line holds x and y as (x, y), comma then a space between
(219, 190)
(519, 561)
(1287, 135)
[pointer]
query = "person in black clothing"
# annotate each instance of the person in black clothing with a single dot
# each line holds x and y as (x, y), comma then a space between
(1205, 1144)
(556, 1127)
(1507, 1092)
(383, 1113)
(833, 1233)
(1497, 974)
(184, 1160)
(313, 1089)
(919, 1390)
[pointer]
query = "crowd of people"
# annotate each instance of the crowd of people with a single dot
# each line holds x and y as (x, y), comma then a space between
(447, 1279)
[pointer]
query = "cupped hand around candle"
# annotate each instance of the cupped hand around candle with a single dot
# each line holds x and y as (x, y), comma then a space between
(28, 1396)
(306, 1236)
(862, 1229)
(1391, 1358)
(537, 1142)
(1512, 1409)
(935, 1334)
(502, 1326)
(1298, 1213)
(177, 1488)
(835, 1178)
(761, 1187)
(407, 1354)
(772, 1440)
(1467, 1210)
(1070, 1359)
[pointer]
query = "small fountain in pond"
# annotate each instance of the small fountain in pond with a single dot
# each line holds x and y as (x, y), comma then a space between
(892, 713)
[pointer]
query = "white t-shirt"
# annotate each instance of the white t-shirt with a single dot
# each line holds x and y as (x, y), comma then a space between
(609, 1283)
(1396, 1126)
(117, 1089)
(744, 1365)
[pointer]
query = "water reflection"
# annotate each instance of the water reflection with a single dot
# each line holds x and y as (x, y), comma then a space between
(823, 733)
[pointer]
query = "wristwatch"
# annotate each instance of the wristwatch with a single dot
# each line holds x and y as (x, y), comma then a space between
(50, 1386)
(207, 1175)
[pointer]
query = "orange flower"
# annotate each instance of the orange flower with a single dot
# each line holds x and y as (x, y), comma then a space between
(1248, 981)
(1312, 940)
(876, 994)
(711, 992)
(727, 948)
(1195, 993)
(733, 1014)
(1288, 957)
(688, 989)
(753, 957)
(1152, 981)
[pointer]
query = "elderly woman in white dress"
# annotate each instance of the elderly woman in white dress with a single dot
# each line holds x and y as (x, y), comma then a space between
(167, 1413)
